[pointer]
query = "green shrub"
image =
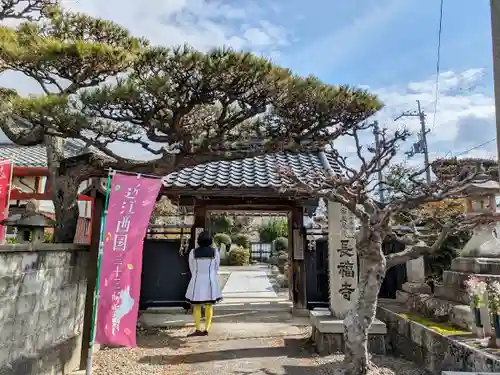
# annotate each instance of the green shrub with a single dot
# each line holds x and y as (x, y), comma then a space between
(12, 240)
(239, 256)
(222, 238)
(280, 244)
(274, 228)
(241, 240)
(48, 237)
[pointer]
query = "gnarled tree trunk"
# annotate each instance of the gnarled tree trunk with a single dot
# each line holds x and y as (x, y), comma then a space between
(64, 192)
(357, 322)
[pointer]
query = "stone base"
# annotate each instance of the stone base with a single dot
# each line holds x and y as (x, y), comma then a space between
(436, 308)
(301, 312)
(431, 350)
(328, 334)
(487, 266)
(416, 288)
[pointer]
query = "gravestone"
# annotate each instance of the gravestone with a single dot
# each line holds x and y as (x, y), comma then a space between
(415, 271)
(328, 324)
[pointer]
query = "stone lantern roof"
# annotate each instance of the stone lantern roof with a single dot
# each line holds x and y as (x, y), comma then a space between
(482, 184)
(31, 218)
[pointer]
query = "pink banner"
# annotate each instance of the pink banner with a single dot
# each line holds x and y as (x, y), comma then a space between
(130, 205)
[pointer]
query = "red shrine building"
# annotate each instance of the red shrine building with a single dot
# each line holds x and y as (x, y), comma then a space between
(29, 181)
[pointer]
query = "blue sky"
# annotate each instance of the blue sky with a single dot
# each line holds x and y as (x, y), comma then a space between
(387, 42)
(388, 46)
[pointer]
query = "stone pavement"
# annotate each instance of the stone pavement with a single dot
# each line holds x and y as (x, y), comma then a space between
(248, 282)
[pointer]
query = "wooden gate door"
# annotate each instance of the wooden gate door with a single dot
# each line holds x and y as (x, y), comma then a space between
(165, 274)
(317, 275)
(395, 276)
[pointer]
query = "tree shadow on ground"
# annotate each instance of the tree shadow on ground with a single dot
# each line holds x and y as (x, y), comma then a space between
(293, 348)
(386, 366)
(159, 338)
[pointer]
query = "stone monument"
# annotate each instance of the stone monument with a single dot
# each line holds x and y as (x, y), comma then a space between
(328, 324)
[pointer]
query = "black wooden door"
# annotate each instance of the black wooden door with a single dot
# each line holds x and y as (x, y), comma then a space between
(395, 276)
(165, 274)
(317, 275)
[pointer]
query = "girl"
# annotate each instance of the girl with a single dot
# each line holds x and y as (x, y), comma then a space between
(203, 288)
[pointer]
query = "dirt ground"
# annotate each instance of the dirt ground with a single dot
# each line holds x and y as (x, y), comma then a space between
(231, 348)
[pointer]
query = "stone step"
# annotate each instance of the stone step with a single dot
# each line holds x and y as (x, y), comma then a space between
(489, 266)
(262, 306)
(227, 311)
(438, 308)
(233, 306)
(158, 320)
(458, 295)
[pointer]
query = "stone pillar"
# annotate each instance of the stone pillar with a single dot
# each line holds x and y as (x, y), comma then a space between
(328, 324)
(342, 258)
(415, 271)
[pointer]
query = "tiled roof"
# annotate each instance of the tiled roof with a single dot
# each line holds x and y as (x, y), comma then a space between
(256, 172)
(35, 156)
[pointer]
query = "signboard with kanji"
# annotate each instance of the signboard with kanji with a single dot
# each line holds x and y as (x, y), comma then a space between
(343, 264)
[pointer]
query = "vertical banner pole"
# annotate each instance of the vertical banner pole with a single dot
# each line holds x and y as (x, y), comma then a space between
(8, 198)
(96, 290)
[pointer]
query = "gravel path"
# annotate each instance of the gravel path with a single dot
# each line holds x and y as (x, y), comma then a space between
(232, 348)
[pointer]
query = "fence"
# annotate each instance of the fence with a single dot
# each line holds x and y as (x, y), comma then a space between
(261, 251)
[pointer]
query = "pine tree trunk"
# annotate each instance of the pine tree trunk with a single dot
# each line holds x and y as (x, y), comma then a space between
(64, 193)
(359, 319)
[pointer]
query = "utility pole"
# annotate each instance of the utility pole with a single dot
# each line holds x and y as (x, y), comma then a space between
(495, 36)
(376, 132)
(419, 147)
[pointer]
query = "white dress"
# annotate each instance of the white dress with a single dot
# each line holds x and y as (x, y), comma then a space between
(203, 287)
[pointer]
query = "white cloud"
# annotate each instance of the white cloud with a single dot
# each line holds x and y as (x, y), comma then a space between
(459, 102)
(201, 23)
(465, 116)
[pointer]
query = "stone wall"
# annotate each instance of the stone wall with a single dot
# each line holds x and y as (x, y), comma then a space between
(42, 299)
(431, 350)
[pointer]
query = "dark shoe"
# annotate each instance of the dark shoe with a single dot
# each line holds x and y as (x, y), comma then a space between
(196, 334)
(205, 333)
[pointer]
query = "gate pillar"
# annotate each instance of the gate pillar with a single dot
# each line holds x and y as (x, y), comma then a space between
(298, 274)
(200, 213)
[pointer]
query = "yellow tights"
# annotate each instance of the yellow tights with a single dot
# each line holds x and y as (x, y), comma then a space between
(209, 313)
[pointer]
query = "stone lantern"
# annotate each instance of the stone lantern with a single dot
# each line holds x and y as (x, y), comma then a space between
(479, 257)
(481, 199)
(30, 224)
(481, 195)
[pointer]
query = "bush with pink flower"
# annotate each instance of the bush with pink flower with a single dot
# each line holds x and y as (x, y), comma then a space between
(476, 288)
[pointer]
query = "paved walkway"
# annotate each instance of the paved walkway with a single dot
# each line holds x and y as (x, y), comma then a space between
(248, 282)
(237, 348)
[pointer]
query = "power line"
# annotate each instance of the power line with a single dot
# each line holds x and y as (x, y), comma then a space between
(438, 63)
(476, 147)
